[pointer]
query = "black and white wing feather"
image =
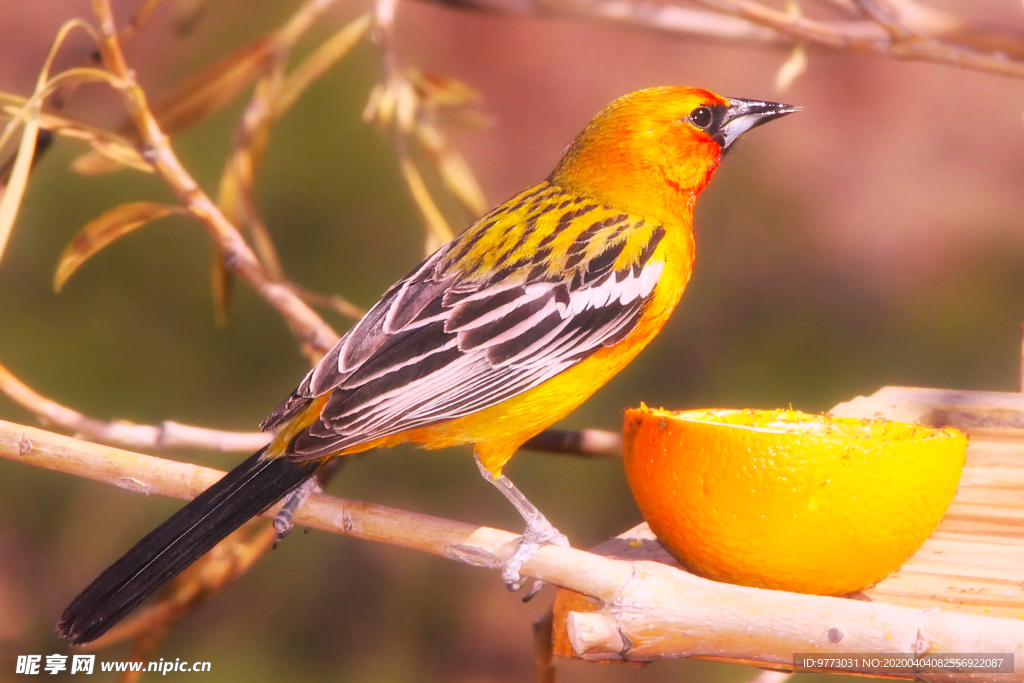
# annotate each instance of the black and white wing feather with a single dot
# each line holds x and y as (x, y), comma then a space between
(442, 344)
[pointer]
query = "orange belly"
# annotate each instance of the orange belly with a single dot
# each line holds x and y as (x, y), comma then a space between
(500, 430)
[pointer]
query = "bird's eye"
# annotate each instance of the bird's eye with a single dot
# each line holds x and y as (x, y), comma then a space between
(701, 117)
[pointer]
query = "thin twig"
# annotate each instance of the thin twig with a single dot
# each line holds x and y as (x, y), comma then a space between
(884, 16)
(588, 443)
(315, 336)
(334, 302)
(273, 96)
(139, 20)
(871, 37)
(167, 434)
(949, 42)
(401, 105)
(649, 610)
(670, 19)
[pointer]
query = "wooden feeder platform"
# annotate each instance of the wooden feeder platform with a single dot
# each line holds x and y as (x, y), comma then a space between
(973, 564)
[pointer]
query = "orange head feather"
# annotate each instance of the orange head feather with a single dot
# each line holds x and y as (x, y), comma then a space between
(653, 151)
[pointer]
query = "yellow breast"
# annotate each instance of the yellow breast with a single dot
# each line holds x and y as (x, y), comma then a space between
(498, 431)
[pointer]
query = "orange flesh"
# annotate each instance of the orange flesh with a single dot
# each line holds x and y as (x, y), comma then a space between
(785, 500)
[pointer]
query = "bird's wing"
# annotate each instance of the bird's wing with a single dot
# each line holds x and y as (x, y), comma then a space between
(442, 343)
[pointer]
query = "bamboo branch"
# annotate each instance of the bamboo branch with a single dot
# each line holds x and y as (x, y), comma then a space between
(651, 611)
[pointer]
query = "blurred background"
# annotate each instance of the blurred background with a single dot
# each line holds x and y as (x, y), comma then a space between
(874, 239)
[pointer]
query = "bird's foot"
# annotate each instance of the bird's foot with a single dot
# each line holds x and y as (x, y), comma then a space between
(539, 531)
(284, 521)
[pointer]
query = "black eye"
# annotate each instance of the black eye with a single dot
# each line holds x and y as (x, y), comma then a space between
(701, 117)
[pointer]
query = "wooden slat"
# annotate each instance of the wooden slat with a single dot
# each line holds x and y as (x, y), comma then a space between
(973, 562)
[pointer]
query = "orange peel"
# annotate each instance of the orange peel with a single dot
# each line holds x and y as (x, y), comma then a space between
(785, 500)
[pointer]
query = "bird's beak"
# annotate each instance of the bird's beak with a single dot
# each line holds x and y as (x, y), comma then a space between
(742, 115)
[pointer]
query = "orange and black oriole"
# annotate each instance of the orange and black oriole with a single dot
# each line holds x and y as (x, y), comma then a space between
(500, 333)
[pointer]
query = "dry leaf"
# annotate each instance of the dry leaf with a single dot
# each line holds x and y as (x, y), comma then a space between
(101, 231)
(442, 91)
(10, 200)
(406, 105)
(109, 156)
(264, 247)
(106, 143)
(380, 106)
(223, 284)
(438, 231)
(397, 104)
(450, 101)
(796, 63)
(316, 64)
(792, 68)
(213, 88)
(454, 171)
(197, 98)
(236, 185)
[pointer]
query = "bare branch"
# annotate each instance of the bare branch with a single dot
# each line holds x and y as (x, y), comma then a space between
(587, 443)
(334, 302)
(165, 435)
(651, 610)
(274, 94)
(913, 33)
(315, 336)
(139, 20)
(637, 13)
(884, 16)
(871, 37)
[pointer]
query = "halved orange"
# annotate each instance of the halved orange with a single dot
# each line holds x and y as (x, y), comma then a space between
(785, 500)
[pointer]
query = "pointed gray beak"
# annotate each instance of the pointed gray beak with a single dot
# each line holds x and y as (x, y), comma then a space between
(742, 115)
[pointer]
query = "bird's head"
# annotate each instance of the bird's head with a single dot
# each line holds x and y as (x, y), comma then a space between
(654, 150)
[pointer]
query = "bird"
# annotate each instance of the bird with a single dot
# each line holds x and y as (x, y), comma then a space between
(500, 333)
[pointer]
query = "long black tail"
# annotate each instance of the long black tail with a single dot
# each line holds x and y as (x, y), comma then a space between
(241, 494)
